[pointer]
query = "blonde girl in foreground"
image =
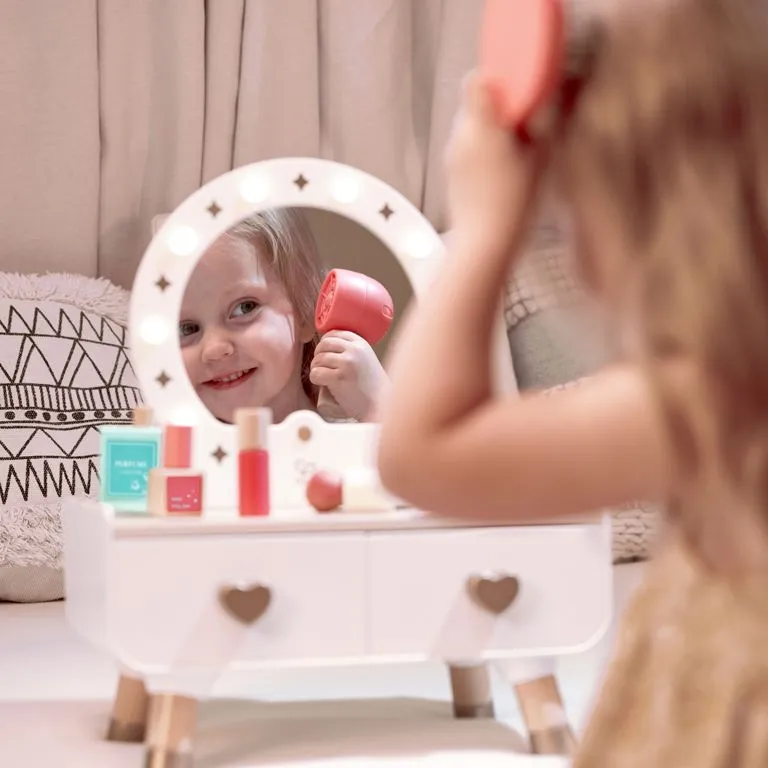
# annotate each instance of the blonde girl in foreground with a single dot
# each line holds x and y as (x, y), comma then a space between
(662, 162)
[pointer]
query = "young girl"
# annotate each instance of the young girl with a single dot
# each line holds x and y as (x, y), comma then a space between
(660, 156)
(247, 326)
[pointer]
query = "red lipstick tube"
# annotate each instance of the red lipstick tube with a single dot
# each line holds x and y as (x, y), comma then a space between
(253, 460)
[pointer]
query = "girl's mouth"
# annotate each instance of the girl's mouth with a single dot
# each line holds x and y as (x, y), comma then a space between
(230, 380)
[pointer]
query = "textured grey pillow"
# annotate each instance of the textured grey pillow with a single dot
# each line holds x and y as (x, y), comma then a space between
(554, 331)
(64, 371)
(556, 339)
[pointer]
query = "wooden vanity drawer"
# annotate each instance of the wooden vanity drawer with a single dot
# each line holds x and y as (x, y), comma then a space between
(422, 604)
(176, 617)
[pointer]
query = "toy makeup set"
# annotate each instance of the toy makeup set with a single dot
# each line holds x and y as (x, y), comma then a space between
(176, 488)
(128, 454)
(146, 468)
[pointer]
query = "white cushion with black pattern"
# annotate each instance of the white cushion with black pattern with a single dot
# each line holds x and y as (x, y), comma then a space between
(64, 371)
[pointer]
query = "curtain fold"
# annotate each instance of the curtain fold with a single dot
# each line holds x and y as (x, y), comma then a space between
(278, 110)
(223, 44)
(49, 135)
(115, 111)
(151, 71)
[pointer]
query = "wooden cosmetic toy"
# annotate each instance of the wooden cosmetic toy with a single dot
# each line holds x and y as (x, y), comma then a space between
(253, 461)
(237, 571)
(128, 456)
(176, 488)
(358, 490)
(175, 492)
(325, 491)
(177, 447)
(142, 416)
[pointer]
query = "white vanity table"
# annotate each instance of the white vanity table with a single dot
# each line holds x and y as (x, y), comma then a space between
(179, 600)
(344, 589)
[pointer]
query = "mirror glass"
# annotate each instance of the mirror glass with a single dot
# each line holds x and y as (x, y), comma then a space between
(247, 325)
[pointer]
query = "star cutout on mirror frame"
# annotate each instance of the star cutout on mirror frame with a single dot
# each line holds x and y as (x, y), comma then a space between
(219, 454)
(301, 181)
(214, 209)
(163, 379)
(162, 283)
(386, 211)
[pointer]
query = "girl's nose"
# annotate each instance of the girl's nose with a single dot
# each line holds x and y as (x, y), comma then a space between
(216, 347)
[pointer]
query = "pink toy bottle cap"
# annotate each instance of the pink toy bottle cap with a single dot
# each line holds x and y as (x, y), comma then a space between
(177, 447)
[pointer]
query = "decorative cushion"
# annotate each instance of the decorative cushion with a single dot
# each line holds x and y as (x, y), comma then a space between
(64, 371)
(553, 326)
(556, 338)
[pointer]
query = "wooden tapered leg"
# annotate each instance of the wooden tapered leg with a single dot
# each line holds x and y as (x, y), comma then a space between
(171, 731)
(128, 722)
(471, 688)
(544, 715)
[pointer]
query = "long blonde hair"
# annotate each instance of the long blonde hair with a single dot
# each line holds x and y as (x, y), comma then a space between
(663, 157)
(284, 238)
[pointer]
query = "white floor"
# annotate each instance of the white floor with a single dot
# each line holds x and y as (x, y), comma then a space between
(55, 692)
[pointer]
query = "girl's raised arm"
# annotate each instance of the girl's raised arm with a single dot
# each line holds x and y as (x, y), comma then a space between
(522, 458)
(446, 446)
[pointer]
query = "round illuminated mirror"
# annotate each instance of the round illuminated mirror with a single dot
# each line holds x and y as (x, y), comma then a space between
(253, 331)
(239, 296)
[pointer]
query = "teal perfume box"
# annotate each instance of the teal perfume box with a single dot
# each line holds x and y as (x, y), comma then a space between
(127, 456)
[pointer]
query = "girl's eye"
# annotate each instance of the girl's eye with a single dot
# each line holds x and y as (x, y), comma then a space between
(188, 329)
(246, 307)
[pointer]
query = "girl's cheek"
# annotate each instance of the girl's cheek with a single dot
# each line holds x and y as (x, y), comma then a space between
(191, 362)
(268, 331)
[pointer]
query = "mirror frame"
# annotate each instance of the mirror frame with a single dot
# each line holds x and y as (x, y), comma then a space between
(171, 257)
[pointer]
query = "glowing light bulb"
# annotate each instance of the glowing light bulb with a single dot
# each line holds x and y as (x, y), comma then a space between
(419, 245)
(254, 189)
(345, 189)
(154, 329)
(182, 241)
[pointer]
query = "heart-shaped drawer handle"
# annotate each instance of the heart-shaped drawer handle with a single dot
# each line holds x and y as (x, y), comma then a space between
(494, 592)
(246, 604)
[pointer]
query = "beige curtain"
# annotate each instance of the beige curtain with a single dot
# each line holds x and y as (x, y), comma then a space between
(115, 110)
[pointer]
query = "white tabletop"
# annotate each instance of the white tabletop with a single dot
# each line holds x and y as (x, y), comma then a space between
(227, 522)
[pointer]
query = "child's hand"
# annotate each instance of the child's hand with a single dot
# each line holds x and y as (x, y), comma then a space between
(492, 175)
(347, 365)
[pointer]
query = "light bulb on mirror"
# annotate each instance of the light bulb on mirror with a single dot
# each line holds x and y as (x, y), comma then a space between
(182, 241)
(419, 246)
(345, 189)
(153, 329)
(254, 189)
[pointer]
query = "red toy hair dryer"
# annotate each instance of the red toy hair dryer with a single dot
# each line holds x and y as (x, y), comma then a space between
(351, 301)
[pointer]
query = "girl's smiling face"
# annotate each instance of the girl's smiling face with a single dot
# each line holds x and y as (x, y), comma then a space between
(238, 335)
